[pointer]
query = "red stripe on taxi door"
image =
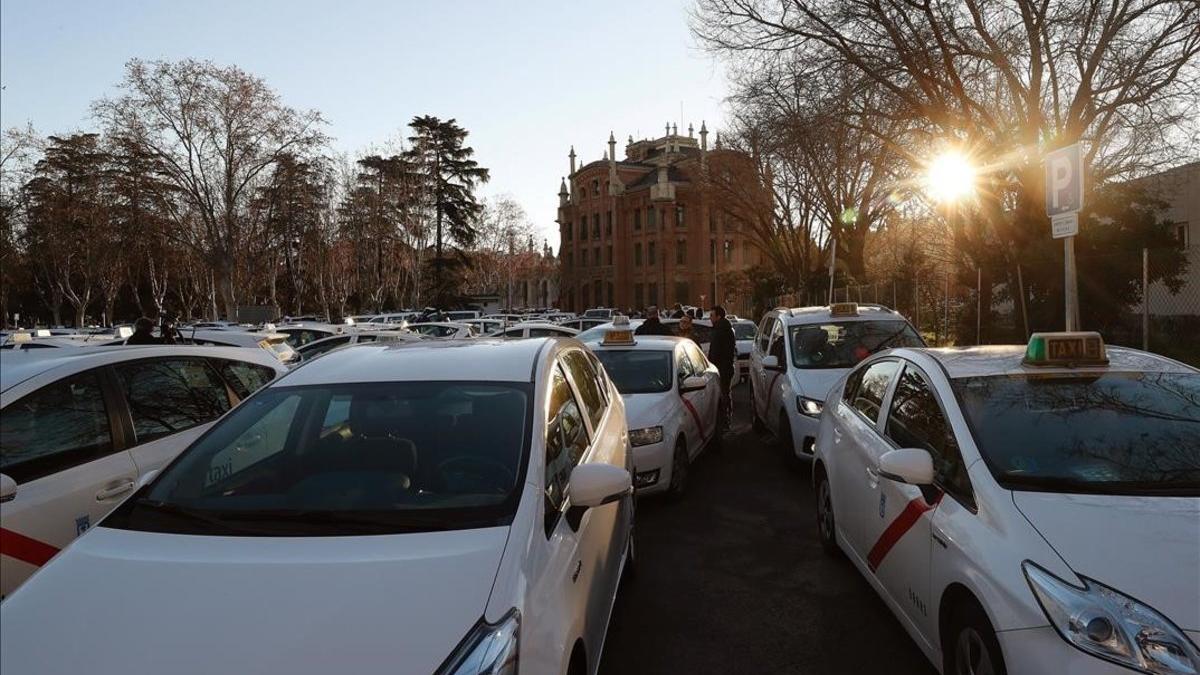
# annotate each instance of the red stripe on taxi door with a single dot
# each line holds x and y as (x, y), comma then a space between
(25, 549)
(898, 528)
(695, 416)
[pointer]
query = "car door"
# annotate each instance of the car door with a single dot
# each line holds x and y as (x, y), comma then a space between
(59, 444)
(858, 445)
(901, 556)
(757, 374)
(707, 400)
(169, 402)
(559, 589)
(776, 381)
(601, 529)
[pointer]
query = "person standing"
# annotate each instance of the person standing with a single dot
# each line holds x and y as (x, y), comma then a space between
(652, 326)
(684, 329)
(143, 333)
(722, 351)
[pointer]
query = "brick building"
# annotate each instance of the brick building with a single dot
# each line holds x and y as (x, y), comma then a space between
(644, 230)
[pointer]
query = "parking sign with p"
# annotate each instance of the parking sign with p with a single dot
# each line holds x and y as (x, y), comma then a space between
(1064, 180)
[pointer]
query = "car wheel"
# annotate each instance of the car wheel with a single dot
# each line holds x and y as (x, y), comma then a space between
(826, 524)
(679, 470)
(757, 422)
(972, 648)
(784, 438)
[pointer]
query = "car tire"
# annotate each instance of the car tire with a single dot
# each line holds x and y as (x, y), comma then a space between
(826, 523)
(679, 470)
(970, 645)
(783, 439)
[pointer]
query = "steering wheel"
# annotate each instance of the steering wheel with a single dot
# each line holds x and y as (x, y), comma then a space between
(474, 469)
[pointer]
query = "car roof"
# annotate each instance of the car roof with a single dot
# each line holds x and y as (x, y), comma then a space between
(805, 315)
(1007, 360)
(484, 359)
(19, 366)
(641, 342)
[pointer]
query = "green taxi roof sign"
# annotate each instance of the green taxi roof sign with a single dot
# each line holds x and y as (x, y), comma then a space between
(1070, 349)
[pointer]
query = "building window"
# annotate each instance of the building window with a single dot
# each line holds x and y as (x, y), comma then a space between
(650, 257)
(712, 251)
(596, 186)
(596, 226)
(637, 254)
(612, 299)
(608, 223)
(653, 299)
(712, 294)
(681, 252)
(583, 257)
(1181, 235)
(637, 219)
(599, 296)
(728, 250)
(639, 296)
(598, 261)
(650, 218)
(679, 219)
(568, 231)
(585, 304)
(583, 229)
(608, 255)
(681, 292)
(712, 221)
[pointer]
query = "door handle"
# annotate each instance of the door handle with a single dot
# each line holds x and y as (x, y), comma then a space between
(116, 490)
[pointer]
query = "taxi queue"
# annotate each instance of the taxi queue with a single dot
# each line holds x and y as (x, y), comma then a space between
(1019, 509)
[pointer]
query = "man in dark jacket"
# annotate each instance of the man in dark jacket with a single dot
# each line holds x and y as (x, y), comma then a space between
(143, 333)
(652, 326)
(722, 351)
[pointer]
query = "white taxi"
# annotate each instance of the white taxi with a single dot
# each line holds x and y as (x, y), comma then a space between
(800, 353)
(671, 393)
(1025, 510)
(446, 507)
(79, 428)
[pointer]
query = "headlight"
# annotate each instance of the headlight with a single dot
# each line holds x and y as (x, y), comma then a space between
(489, 649)
(645, 436)
(808, 406)
(1112, 626)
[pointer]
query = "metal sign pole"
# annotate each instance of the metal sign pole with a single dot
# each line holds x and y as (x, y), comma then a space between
(1071, 285)
(832, 268)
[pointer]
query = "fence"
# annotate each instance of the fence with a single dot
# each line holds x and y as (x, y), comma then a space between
(1148, 299)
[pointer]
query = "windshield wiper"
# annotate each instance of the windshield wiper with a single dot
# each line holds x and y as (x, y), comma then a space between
(219, 522)
(398, 520)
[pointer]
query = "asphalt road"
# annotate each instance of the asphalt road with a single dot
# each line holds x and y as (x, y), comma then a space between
(731, 579)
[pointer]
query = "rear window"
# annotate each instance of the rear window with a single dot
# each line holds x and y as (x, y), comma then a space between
(1128, 433)
(744, 331)
(348, 459)
(637, 371)
(844, 344)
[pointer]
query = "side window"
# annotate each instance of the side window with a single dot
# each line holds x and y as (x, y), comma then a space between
(683, 366)
(514, 332)
(868, 397)
(544, 332)
(915, 420)
(245, 378)
(777, 343)
(566, 441)
(169, 395)
(263, 439)
(584, 375)
(59, 426)
(699, 362)
(764, 334)
(362, 337)
(851, 387)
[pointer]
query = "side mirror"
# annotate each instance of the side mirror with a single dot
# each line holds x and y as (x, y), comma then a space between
(593, 485)
(146, 478)
(692, 383)
(770, 362)
(8, 488)
(907, 465)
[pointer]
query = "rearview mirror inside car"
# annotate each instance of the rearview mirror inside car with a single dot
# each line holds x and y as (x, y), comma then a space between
(907, 465)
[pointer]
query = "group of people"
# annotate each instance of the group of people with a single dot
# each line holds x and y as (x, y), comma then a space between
(722, 348)
(143, 333)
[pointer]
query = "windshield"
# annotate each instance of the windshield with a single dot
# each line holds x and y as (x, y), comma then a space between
(637, 371)
(744, 331)
(1130, 433)
(844, 344)
(347, 459)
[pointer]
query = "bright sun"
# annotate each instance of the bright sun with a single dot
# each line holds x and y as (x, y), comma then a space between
(950, 177)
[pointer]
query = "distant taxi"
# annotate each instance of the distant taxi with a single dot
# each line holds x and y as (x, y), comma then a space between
(438, 507)
(671, 393)
(79, 429)
(1022, 509)
(800, 353)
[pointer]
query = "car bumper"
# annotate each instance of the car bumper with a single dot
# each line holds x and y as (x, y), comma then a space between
(804, 434)
(652, 468)
(1040, 651)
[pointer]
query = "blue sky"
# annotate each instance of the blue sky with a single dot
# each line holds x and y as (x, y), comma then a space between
(527, 78)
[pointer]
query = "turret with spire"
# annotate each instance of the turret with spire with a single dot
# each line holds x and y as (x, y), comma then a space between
(572, 156)
(564, 197)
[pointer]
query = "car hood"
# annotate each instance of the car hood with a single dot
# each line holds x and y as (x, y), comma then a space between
(138, 603)
(1145, 547)
(816, 382)
(648, 410)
